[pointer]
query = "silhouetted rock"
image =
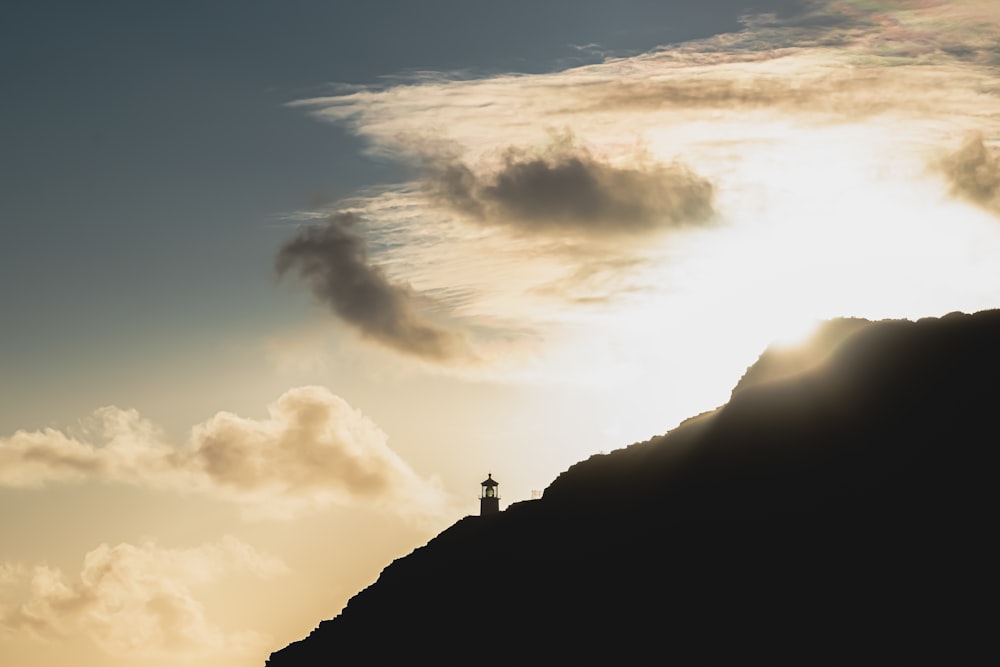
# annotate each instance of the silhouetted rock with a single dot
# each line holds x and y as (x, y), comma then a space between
(840, 508)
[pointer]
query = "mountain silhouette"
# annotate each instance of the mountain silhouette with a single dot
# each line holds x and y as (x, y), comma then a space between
(839, 508)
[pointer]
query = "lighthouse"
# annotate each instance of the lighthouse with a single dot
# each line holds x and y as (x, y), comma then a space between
(489, 501)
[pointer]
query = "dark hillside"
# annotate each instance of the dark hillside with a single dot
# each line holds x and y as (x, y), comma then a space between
(839, 508)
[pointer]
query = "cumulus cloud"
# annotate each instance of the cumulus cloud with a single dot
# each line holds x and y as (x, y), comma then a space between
(133, 600)
(313, 450)
(567, 190)
(130, 448)
(974, 173)
(332, 258)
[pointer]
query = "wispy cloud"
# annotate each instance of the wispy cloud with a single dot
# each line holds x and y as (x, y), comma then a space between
(789, 135)
(313, 450)
(134, 600)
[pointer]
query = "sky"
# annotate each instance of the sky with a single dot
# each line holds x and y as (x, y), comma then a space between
(282, 282)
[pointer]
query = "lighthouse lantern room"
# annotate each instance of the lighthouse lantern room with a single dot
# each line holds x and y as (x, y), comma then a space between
(489, 501)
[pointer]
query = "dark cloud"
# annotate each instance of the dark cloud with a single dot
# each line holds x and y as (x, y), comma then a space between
(569, 190)
(974, 173)
(332, 258)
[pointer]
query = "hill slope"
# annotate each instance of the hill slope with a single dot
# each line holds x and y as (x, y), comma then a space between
(839, 507)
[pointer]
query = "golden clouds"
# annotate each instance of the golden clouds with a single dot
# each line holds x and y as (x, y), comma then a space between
(312, 451)
(134, 600)
(131, 447)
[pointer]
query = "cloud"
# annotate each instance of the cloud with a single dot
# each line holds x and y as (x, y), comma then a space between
(804, 137)
(924, 31)
(313, 450)
(845, 94)
(134, 601)
(567, 190)
(131, 448)
(332, 258)
(835, 59)
(974, 173)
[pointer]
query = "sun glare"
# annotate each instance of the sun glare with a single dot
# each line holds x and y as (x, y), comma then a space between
(794, 333)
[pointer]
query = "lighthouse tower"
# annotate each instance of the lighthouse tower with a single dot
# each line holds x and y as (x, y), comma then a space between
(489, 502)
